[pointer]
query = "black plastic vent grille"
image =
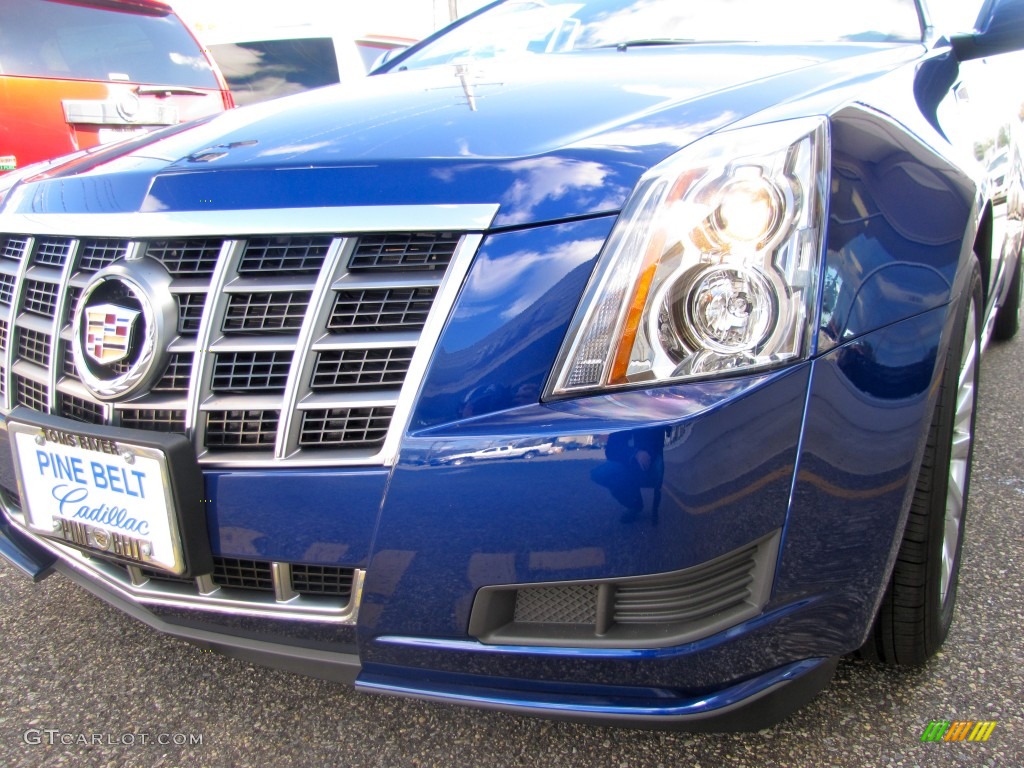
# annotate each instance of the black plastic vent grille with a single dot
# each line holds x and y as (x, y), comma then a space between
(322, 580)
(329, 428)
(177, 374)
(40, 297)
(13, 247)
(237, 573)
(155, 420)
(52, 252)
(190, 312)
(390, 309)
(34, 346)
(285, 255)
(7, 288)
(251, 371)
(71, 407)
(360, 368)
(31, 394)
(187, 257)
(635, 612)
(241, 430)
(97, 254)
(266, 312)
(410, 251)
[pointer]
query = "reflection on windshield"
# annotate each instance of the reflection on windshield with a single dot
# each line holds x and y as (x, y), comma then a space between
(523, 27)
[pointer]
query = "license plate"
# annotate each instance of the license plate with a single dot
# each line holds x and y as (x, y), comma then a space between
(98, 493)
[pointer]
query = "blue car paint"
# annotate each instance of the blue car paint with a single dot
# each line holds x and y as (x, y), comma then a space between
(740, 457)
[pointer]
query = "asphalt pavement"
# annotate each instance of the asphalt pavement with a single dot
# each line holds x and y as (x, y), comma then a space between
(83, 685)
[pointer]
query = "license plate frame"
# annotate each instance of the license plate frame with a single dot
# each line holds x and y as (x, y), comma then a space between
(126, 494)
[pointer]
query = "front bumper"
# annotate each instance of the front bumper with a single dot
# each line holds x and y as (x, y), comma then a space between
(742, 460)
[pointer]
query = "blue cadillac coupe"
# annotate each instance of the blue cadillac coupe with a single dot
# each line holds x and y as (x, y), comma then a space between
(613, 360)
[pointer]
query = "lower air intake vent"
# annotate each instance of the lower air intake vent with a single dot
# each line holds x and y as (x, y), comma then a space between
(645, 611)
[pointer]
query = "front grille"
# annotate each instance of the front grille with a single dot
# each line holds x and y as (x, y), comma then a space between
(290, 347)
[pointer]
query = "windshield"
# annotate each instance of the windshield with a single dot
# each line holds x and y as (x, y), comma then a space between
(521, 27)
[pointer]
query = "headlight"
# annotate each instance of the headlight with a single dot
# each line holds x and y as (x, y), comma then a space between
(712, 267)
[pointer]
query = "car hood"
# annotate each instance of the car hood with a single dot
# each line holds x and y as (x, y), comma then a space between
(545, 138)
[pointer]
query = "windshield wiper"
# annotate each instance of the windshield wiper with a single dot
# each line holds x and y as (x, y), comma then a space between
(626, 44)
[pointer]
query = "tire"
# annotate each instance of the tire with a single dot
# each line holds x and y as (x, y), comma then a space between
(1008, 318)
(917, 609)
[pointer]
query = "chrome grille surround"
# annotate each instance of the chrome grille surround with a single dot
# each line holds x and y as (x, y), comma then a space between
(302, 341)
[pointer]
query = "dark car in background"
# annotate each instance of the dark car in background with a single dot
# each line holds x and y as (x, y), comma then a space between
(609, 359)
(74, 75)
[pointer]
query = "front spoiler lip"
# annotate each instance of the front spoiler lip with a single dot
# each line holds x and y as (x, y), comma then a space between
(753, 704)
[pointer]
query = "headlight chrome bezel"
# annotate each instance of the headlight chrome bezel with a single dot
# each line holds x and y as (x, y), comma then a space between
(712, 268)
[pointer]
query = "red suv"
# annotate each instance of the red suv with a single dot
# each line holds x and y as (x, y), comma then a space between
(77, 73)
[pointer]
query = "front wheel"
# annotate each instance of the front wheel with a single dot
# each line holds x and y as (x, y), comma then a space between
(917, 610)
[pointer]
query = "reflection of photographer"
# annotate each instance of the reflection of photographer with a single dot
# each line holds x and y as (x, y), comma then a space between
(635, 461)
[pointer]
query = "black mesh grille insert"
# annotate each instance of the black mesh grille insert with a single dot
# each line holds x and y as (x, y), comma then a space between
(408, 251)
(241, 430)
(251, 371)
(187, 257)
(348, 427)
(177, 374)
(51, 251)
(388, 309)
(41, 297)
(71, 407)
(285, 254)
(190, 312)
(155, 420)
(322, 580)
(6, 288)
(31, 394)
(358, 368)
(13, 247)
(97, 254)
(237, 573)
(34, 346)
(266, 312)
(563, 605)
